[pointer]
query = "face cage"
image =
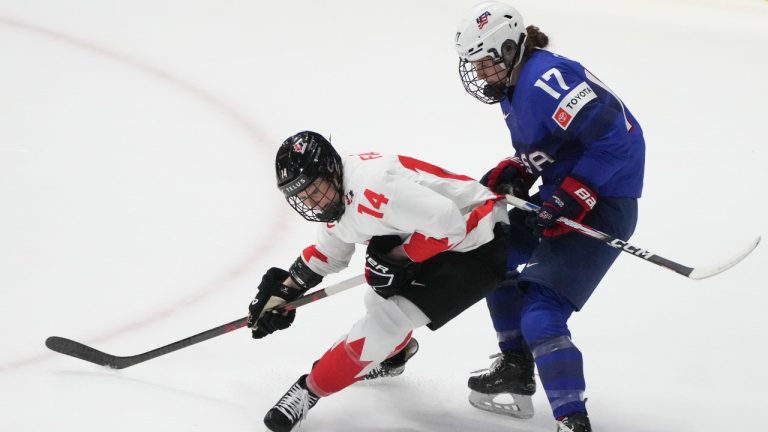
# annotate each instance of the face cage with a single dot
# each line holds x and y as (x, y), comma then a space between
(331, 213)
(479, 88)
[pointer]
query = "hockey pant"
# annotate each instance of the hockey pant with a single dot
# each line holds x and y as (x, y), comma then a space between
(382, 333)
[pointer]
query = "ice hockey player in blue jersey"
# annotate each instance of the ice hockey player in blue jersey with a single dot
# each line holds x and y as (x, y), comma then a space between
(574, 134)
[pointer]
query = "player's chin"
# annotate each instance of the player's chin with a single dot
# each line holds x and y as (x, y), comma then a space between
(331, 212)
(495, 92)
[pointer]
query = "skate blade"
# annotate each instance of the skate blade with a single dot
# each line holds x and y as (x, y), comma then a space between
(513, 405)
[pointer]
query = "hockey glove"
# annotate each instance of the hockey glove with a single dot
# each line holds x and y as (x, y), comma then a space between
(509, 176)
(262, 318)
(383, 274)
(572, 201)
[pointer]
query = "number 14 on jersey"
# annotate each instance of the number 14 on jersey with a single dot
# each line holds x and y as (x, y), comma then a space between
(376, 200)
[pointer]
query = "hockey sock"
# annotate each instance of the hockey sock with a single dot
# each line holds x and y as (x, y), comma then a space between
(385, 330)
(561, 372)
(505, 305)
(559, 362)
(343, 365)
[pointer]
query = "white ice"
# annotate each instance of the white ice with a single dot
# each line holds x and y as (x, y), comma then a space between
(138, 207)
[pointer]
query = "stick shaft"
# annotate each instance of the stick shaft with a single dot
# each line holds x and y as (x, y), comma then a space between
(84, 352)
(624, 246)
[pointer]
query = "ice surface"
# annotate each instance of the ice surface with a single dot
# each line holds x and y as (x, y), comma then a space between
(138, 206)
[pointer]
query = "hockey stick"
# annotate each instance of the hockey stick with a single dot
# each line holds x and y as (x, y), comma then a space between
(689, 272)
(84, 352)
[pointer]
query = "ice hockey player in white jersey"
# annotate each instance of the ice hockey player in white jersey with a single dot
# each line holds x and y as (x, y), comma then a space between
(435, 247)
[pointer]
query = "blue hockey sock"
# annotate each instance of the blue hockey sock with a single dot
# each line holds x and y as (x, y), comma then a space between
(559, 362)
(561, 371)
(505, 304)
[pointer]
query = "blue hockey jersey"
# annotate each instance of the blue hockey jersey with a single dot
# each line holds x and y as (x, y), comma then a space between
(564, 121)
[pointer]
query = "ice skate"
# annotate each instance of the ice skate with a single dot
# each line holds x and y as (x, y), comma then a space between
(394, 365)
(292, 408)
(576, 422)
(506, 387)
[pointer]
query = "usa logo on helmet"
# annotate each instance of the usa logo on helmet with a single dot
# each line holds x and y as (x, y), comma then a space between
(482, 20)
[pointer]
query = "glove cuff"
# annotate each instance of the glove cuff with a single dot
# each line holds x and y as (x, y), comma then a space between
(304, 276)
(580, 192)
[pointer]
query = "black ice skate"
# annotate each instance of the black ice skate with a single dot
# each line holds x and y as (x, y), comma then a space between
(507, 386)
(291, 408)
(576, 422)
(394, 365)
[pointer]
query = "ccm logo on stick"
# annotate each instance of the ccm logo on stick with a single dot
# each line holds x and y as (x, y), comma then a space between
(621, 244)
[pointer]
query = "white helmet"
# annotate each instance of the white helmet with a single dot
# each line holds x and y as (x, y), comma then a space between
(490, 29)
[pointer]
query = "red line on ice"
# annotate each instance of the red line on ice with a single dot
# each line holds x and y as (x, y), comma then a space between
(240, 120)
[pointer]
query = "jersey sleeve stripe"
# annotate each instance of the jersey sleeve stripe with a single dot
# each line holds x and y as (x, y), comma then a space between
(312, 252)
(418, 165)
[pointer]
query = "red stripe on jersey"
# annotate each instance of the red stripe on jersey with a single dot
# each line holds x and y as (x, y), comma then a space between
(421, 248)
(418, 165)
(479, 213)
(312, 252)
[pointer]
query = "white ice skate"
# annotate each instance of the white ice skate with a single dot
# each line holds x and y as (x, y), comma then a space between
(515, 405)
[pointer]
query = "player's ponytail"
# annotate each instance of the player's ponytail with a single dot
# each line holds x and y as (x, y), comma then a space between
(536, 39)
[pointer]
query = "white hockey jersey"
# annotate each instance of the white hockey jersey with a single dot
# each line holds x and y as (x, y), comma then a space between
(431, 209)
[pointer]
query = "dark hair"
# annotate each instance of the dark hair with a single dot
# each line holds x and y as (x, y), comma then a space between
(536, 39)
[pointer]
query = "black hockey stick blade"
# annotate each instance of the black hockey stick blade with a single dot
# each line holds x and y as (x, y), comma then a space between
(84, 352)
(695, 273)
